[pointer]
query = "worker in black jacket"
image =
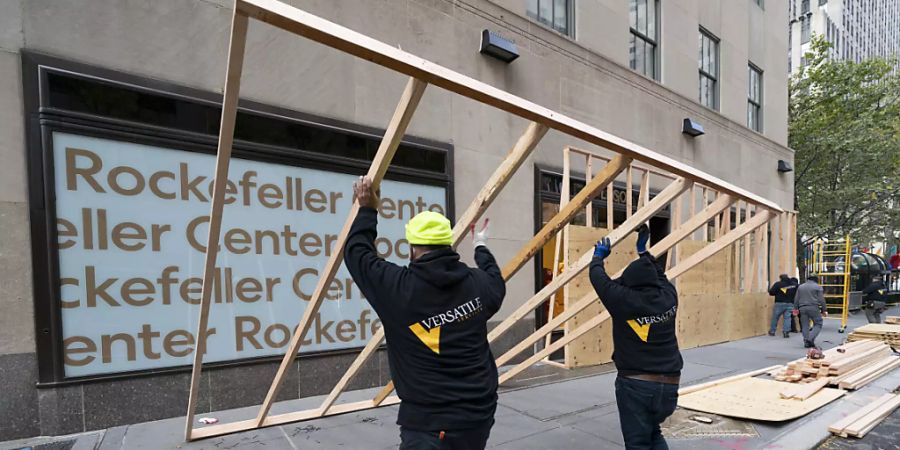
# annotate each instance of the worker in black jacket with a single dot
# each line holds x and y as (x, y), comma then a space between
(783, 290)
(434, 313)
(642, 304)
(873, 300)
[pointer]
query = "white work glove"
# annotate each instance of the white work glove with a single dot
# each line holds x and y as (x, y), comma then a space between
(480, 238)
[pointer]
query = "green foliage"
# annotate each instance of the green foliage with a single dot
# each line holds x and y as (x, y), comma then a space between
(844, 124)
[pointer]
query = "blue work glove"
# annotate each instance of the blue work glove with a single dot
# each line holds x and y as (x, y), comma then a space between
(643, 238)
(602, 249)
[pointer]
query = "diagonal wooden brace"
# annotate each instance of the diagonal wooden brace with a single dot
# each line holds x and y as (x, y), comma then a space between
(392, 137)
(640, 216)
(565, 215)
(514, 159)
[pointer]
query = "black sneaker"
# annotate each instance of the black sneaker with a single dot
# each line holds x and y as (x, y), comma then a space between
(771, 333)
(807, 344)
(787, 335)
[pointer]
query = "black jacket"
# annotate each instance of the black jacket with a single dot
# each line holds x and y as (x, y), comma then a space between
(784, 291)
(874, 292)
(434, 315)
(642, 304)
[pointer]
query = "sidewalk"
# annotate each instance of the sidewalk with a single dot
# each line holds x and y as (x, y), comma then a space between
(544, 408)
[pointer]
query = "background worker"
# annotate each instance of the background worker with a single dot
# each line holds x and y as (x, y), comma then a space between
(809, 304)
(873, 300)
(434, 313)
(795, 321)
(783, 290)
(642, 304)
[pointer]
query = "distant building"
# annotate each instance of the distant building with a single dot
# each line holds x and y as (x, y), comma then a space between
(858, 29)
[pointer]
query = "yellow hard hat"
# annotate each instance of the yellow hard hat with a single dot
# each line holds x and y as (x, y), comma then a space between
(429, 228)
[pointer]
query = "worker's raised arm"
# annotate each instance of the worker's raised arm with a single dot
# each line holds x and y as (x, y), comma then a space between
(775, 287)
(612, 294)
(369, 271)
(485, 261)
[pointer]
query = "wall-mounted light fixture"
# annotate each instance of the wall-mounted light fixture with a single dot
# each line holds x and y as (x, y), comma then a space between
(492, 44)
(784, 166)
(691, 128)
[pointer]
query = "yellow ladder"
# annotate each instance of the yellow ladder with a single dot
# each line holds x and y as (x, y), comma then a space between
(831, 263)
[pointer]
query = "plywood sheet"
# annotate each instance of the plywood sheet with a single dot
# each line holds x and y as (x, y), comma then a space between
(595, 346)
(755, 399)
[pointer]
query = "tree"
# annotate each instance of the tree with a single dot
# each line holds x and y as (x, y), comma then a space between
(844, 125)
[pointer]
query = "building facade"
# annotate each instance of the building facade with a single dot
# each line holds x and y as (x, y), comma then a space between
(108, 124)
(857, 29)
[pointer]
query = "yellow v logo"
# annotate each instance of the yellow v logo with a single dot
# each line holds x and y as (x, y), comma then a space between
(431, 338)
(784, 290)
(641, 330)
(881, 291)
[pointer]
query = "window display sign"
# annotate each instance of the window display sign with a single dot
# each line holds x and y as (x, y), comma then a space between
(132, 222)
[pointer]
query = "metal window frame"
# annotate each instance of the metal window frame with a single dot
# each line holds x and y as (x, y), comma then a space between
(570, 17)
(656, 75)
(757, 104)
(704, 74)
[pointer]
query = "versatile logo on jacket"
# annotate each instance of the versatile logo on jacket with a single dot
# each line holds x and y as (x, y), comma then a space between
(429, 330)
(641, 325)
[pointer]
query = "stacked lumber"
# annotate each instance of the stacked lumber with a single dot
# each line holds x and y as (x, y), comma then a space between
(895, 320)
(848, 366)
(866, 418)
(886, 332)
(804, 391)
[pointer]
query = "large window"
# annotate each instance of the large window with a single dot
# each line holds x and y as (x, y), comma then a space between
(709, 70)
(804, 29)
(642, 44)
(754, 98)
(556, 14)
(804, 6)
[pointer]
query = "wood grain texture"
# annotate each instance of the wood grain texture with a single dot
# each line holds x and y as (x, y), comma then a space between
(755, 399)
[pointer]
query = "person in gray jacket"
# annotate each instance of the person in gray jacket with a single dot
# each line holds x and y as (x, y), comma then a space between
(809, 303)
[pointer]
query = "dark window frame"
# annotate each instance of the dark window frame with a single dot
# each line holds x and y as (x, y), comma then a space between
(535, 16)
(754, 106)
(703, 74)
(43, 119)
(636, 34)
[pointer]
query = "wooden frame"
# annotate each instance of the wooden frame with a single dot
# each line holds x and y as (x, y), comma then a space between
(423, 73)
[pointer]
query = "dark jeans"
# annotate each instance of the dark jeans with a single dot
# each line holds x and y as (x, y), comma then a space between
(781, 310)
(643, 406)
(470, 439)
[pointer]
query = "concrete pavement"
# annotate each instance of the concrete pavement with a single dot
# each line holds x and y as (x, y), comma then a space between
(544, 408)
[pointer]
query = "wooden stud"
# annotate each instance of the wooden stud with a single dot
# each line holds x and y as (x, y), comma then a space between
(699, 387)
(392, 137)
(644, 194)
(610, 218)
(628, 191)
(234, 66)
(704, 235)
(736, 259)
(748, 287)
(589, 209)
(562, 218)
(641, 216)
(675, 223)
(560, 249)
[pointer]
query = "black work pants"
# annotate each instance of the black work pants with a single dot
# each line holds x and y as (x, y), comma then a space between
(469, 439)
(643, 406)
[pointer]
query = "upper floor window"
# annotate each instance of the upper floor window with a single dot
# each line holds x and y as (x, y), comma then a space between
(804, 6)
(754, 98)
(804, 30)
(556, 14)
(643, 41)
(709, 70)
(760, 3)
